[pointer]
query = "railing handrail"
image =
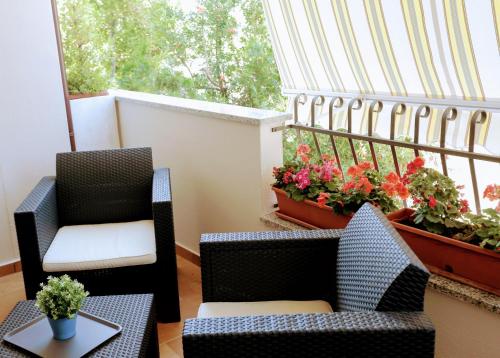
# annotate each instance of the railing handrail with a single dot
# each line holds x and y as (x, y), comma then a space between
(457, 102)
(397, 143)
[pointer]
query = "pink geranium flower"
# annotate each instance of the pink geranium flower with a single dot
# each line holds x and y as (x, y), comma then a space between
(302, 179)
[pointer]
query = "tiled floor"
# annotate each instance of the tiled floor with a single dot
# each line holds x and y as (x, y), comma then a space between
(12, 290)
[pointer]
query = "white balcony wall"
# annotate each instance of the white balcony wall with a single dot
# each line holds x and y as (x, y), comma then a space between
(33, 125)
(221, 156)
(463, 329)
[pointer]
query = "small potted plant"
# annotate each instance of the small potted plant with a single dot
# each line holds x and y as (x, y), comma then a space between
(314, 195)
(60, 299)
(443, 233)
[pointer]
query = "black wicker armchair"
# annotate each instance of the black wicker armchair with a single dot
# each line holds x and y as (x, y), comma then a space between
(95, 190)
(366, 272)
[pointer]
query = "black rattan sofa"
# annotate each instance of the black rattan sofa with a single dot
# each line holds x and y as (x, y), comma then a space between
(109, 186)
(366, 272)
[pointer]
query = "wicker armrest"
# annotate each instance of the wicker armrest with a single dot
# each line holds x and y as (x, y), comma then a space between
(343, 334)
(166, 292)
(259, 266)
(37, 223)
(162, 213)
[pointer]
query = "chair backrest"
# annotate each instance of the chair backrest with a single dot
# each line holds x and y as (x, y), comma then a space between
(104, 186)
(376, 270)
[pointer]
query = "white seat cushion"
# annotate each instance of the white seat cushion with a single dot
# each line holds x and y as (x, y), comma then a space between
(100, 246)
(235, 309)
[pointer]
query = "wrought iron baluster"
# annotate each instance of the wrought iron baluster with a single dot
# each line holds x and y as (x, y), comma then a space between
(418, 115)
(375, 107)
(354, 104)
(299, 99)
(316, 101)
(397, 110)
(336, 102)
(450, 114)
(479, 117)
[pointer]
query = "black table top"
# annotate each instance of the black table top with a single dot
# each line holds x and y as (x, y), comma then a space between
(133, 312)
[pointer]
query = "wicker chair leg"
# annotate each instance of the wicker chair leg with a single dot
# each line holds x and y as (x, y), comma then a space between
(167, 306)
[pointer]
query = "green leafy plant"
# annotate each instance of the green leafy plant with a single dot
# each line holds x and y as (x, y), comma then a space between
(321, 180)
(440, 208)
(436, 199)
(61, 297)
(483, 230)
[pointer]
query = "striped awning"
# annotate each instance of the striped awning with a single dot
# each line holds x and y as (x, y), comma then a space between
(446, 50)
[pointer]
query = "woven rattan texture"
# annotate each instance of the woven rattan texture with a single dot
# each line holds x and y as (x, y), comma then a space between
(38, 218)
(275, 266)
(164, 280)
(252, 237)
(371, 257)
(36, 225)
(345, 334)
(104, 186)
(135, 313)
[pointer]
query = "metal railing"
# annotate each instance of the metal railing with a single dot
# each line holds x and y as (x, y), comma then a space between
(399, 108)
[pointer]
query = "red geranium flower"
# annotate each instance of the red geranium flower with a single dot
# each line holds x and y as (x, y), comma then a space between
(322, 198)
(364, 185)
(355, 171)
(348, 186)
(492, 192)
(412, 167)
(464, 206)
(432, 201)
(365, 165)
(288, 177)
(394, 186)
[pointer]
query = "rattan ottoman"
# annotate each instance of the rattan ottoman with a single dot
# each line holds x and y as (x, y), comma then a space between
(135, 313)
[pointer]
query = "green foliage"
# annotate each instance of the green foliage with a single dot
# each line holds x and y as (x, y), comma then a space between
(440, 209)
(220, 52)
(61, 297)
(484, 229)
(436, 201)
(84, 68)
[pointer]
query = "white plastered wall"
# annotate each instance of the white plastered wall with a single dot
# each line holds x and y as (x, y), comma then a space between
(33, 123)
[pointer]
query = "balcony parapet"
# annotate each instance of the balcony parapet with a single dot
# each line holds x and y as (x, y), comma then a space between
(247, 115)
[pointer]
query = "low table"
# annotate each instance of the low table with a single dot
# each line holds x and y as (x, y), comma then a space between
(135, 313)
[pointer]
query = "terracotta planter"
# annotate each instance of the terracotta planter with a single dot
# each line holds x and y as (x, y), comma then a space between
(451, 258)
(308, 213)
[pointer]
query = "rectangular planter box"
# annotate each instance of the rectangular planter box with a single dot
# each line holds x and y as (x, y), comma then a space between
(451, 258)
(308, 213)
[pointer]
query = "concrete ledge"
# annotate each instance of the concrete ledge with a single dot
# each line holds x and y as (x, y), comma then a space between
(253, 116)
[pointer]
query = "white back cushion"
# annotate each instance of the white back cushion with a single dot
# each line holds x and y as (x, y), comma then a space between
(99, 246)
